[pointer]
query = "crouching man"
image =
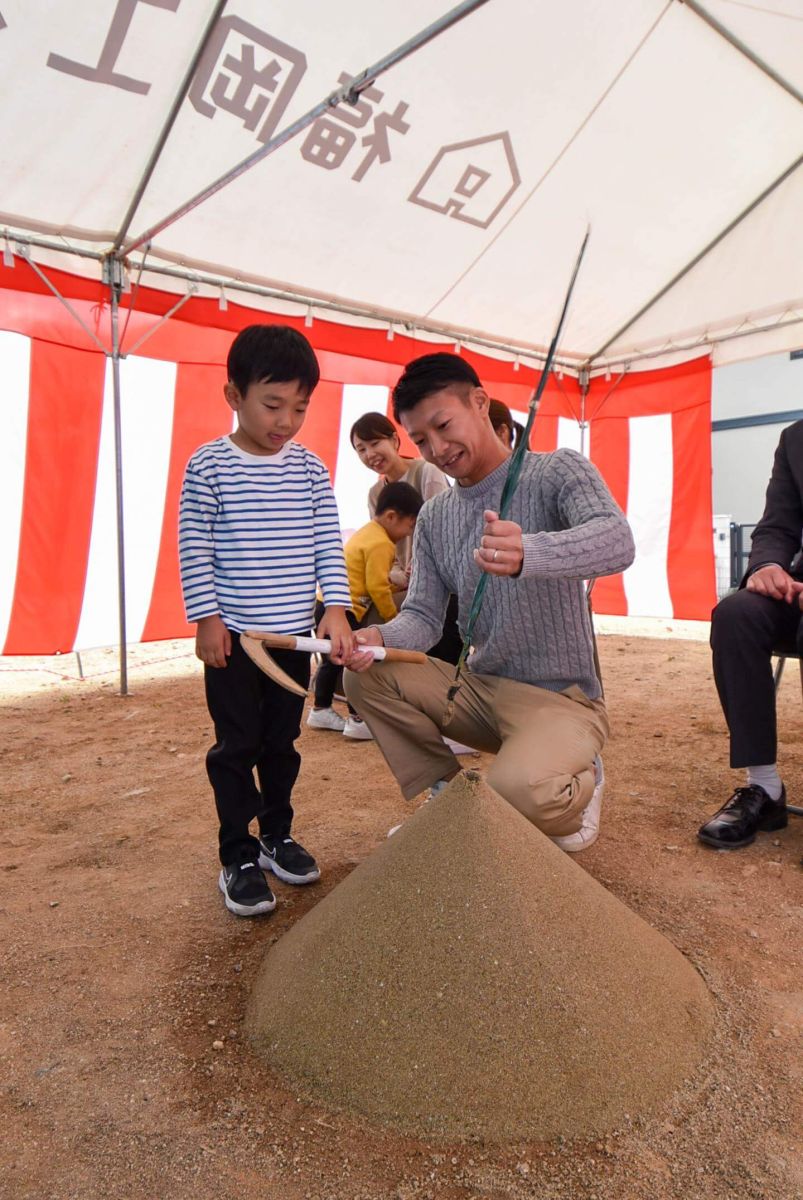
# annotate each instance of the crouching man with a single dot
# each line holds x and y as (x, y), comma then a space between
(530, 695)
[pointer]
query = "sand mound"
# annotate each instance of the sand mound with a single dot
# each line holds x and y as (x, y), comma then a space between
(471, 979)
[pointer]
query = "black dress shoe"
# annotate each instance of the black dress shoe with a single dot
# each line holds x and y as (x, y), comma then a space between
(749, 810)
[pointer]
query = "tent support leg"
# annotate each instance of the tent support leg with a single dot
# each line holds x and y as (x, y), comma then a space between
(80, 664)
(113, 275)
(583, 379)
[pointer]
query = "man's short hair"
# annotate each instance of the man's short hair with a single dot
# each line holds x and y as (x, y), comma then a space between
(276, 353)
(403, 498)
(428, 374)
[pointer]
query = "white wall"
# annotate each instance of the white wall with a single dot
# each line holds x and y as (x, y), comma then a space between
(742, 458)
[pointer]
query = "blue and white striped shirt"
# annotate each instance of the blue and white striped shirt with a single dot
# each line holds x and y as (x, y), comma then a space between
(256, 534)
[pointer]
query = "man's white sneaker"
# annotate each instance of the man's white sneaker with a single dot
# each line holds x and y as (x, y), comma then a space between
(435, 790)
(458, 747)
(326, 718)
(358, 730)
(588, 832)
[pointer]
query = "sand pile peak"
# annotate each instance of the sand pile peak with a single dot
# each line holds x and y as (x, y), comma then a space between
(470, 979)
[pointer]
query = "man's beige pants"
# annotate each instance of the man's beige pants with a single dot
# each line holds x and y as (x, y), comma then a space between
(545, 742)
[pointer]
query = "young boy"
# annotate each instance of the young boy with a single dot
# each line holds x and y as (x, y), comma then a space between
(370, 554)
(258, 528)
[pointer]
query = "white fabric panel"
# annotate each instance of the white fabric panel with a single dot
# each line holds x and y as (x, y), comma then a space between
(353, 481)
(147, 399)
(15, 355)
(446, 202)
(85, 175)
(569, 434)
(649, 511)
(739, 279)
(773, 29)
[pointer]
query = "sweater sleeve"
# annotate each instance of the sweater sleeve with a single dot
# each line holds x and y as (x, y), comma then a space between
(595, 538)
(198, 508)
(330, 565)
(378, 562)
(420, 623)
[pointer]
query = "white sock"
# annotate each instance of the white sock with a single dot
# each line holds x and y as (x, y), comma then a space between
(766, 777)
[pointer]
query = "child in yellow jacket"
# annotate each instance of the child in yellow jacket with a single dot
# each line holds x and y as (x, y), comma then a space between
(369, 553)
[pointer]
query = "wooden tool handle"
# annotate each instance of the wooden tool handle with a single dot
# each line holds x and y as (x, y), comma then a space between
(288, 641)
(411, 656)
(280, 641)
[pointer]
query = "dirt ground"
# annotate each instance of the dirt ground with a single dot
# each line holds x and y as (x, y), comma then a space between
(124, 978)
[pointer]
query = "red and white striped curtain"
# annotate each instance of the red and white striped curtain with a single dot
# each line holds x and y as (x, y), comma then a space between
(649, 433)
(650, 438)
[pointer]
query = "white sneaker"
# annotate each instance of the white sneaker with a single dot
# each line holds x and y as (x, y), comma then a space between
(588, 832)
(358, 730)
(326, 718)
(435, 790)
(458, 747)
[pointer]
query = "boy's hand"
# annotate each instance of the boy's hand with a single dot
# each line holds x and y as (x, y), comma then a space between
(360, 661)
(212, 641)
(501, 549)
(335, 627)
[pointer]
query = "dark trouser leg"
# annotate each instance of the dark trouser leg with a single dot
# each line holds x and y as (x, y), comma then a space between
(745, 628)
(451, 643)
(256, 723)
(329, 676)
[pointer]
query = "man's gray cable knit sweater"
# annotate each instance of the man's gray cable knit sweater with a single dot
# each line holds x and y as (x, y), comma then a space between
(536, 627)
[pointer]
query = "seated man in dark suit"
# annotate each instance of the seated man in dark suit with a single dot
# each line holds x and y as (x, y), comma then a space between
(745, 627)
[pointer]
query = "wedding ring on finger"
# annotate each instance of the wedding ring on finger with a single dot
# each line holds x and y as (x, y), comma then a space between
(494, 557)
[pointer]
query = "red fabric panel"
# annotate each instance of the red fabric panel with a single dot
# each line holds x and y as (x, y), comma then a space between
(691, 568)
(64, 416)
(647, 393)
(321, 428)
(214, 330)
(544, 436)
(200, 414)
(561, 398)
(685, 392)
(610, 453)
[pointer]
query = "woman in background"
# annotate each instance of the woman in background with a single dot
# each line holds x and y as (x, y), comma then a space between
(376, 440)
(506, 429)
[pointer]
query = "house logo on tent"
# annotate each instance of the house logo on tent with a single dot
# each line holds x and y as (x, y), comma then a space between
(471, 181)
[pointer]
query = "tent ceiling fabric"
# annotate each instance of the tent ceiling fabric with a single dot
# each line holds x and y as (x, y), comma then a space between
(457, 192)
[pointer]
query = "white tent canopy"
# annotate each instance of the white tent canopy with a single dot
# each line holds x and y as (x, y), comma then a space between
(454, 196)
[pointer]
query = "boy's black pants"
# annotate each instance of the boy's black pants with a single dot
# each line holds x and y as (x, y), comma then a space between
(256, 723)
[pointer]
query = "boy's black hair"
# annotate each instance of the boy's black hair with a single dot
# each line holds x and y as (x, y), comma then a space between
(403, 498)
(428, 374)
(372, 426)
(272, 352)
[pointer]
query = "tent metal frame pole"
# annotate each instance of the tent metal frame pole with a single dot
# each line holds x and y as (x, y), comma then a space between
(706, 342)
(348, 94)
(776, 183)
(37, 270)
(113, 273)
(583, 380)
(743, 48)
(175, 108)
